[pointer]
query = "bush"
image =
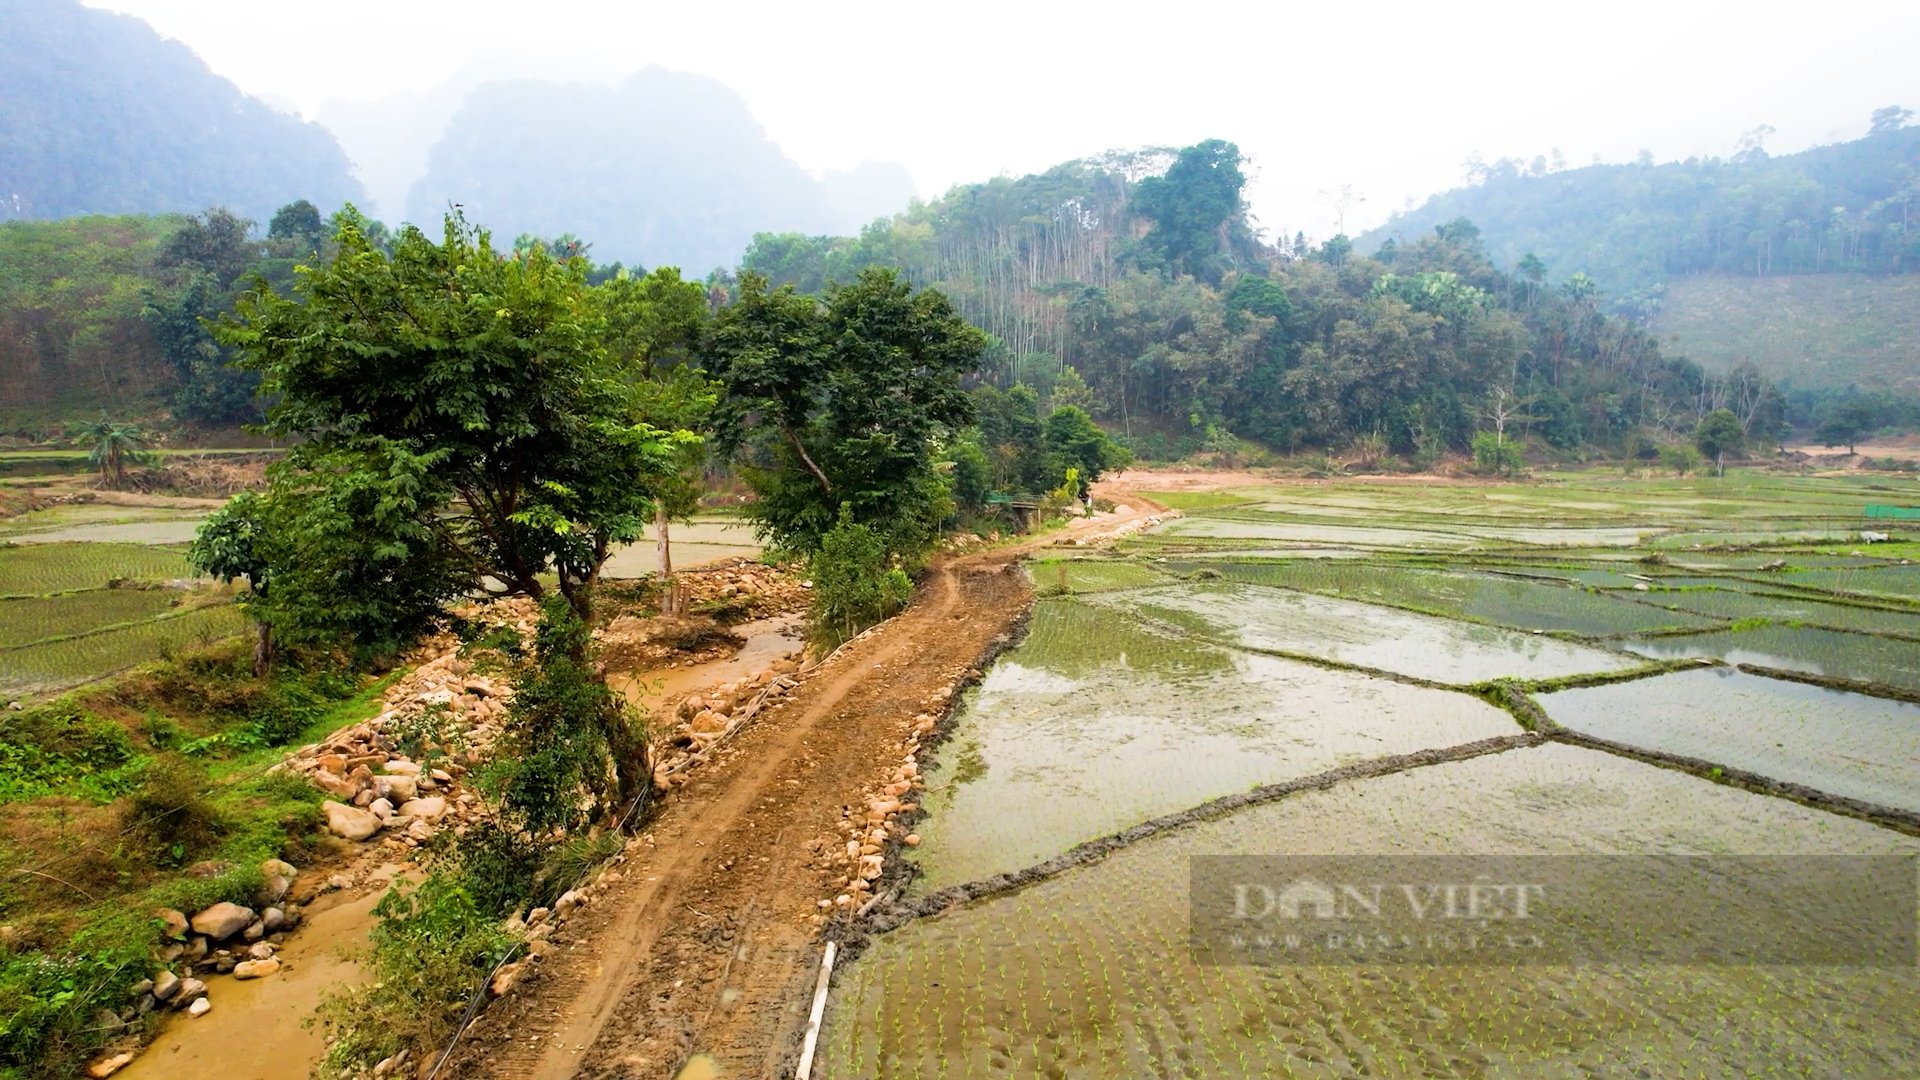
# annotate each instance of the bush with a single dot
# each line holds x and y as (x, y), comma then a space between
(48, 1006)
(169, 811)
(431, 949)
(1682, 458)
(1493, 455)
(61, 746)
(854, 583)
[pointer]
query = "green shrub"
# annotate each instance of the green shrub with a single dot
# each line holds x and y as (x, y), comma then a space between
(48, 1006)
(61, 747)
(431, 949)
(1494, 455)
(170, 811)
(1682, 458)
(855, 583)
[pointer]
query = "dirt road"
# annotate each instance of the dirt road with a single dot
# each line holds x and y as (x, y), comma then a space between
(707, 941)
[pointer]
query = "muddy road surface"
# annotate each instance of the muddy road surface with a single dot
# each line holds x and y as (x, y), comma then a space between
(707, 940)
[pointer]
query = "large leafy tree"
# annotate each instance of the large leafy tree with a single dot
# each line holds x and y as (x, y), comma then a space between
(1198, 224)
(468, 389)
(1719, 434)
(841, 402)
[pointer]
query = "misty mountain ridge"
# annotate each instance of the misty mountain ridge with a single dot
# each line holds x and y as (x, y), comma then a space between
(665, 168)
(100, 114)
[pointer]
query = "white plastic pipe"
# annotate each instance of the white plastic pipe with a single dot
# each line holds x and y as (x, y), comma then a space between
(812, 1040)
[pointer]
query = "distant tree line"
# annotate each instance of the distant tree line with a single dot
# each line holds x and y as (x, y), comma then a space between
(1138, 277)
(1852, 206)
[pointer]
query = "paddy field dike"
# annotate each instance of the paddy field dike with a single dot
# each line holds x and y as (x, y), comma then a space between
(1703, 687)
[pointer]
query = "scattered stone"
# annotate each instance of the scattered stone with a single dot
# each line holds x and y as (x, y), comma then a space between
(339, 881)
(222, 921)
(109, 1066)
(350, 822)
(260, 950)
(912, 840)
(503, 980)
(199, 1008)
(273, 920)
(255, 969)
(165, 985)
(189, 991)
(173, 924)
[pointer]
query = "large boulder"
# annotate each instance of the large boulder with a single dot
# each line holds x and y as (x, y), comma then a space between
(350, 822)
(396, 789)
(255, 969)
(222, 921)
(432, 808)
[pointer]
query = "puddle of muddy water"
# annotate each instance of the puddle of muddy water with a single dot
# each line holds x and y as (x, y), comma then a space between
(258, 1029)
(767, 640)
(1887, 661)
(1361, 634)
(1087, 729)
(1092, 974)
(1840, 743)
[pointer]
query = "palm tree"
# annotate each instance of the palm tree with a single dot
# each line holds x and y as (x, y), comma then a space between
(110, 445)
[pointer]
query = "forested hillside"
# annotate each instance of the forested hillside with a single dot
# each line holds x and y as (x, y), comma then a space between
(1849, 207)
(1131, 283)
(101, 115)
(665, 169)
(109, 313)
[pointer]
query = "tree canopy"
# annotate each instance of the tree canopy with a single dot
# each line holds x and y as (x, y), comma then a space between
(469, 386)
(839, 402)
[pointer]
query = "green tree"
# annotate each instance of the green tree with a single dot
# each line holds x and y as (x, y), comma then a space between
(1844, 424)
(654, 327)
(1718, 434)
(110, 445)
(1074, 442)
(490, 375)
(234, 545)
(1198, 227)
(841, 403)
(855, 583)
(458, 409)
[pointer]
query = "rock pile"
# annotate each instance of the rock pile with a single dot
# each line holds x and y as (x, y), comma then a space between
(226, 938)
(745, 587)
(443, 711)
(867, 828)
(706, 719)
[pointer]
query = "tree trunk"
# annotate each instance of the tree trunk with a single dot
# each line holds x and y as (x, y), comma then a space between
(663, 545)
(262, 649)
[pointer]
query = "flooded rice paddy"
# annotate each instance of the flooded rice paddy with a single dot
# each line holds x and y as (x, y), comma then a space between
(1274, 634)
(1832, 741)
(1090, 974)
(1362, 635)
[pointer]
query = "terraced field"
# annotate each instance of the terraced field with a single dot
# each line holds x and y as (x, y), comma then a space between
(72, 612)
(1524, 671)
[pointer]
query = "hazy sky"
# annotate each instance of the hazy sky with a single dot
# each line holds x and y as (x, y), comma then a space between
(1389, 98)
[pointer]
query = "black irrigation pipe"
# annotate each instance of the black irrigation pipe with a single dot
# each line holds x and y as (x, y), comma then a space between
(479, 995)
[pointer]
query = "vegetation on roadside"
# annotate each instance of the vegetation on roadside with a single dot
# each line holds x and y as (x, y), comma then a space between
(148, 792)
